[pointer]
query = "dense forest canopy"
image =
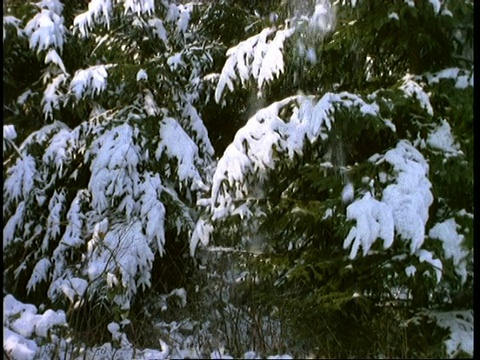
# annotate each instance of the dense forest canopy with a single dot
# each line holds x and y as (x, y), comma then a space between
(302, 170)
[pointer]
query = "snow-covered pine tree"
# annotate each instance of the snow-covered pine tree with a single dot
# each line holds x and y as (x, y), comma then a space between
(355, 180)
(112, 153)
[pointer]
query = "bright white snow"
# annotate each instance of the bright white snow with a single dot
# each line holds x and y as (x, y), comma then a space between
(9, 134)
(463, 78)
(413, 89)
(139, 7)
(99, 11)
(256, 57)
(114, 163)
(374, 220)
(52, 94)
(178, 145)
(452, 241)
(23, 327)
(410, 196)
(20, 180)
(91, 81)
(442, 139)
(46, 30)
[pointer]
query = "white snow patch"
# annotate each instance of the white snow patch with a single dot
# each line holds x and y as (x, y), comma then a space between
(198, 129)
(142, 75)
(52, 94)
(180, 14)
(464, 212)
(442, 138)
(252, 150)
(390, 124)
(123, 250)
(323, 19)
(39, 273)
(21, 322)
(98, 12)
(436, 5)
(160, 31)
(139, 7)
(74, 288)
(413, 89)
(114, 166)
(328, 214)
(202, 233)
(348, 193)
(75, 218)
(91, 81)
(56, 206)
(452, 241)
(59, 150)
(46, 30)
(175, 61)
(152, 211)
(181, 293)
(393, 15)
(22, 98)
(19, 181)
(9, 134)
(53, 57)
(53, 5)
(12, 21)
(427, 256)
(460, 324)
(47, 320)
(410, 270)
(410, 196)
(255, 57)
(403, 208)
(178, 145)
(17, 346)
(463, 78)
(184, 17)
(11, 225)
(374, 220)
(150, 105)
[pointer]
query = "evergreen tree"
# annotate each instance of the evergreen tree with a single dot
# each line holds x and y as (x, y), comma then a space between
(112, 151)
(355, 183)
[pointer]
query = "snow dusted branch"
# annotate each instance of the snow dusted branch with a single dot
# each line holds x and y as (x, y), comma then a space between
(403, 207)
(46, 29)
(91, 81)
(257, 58)
(252, 150)
(98, 11)
(413, 89)
(9, 134)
